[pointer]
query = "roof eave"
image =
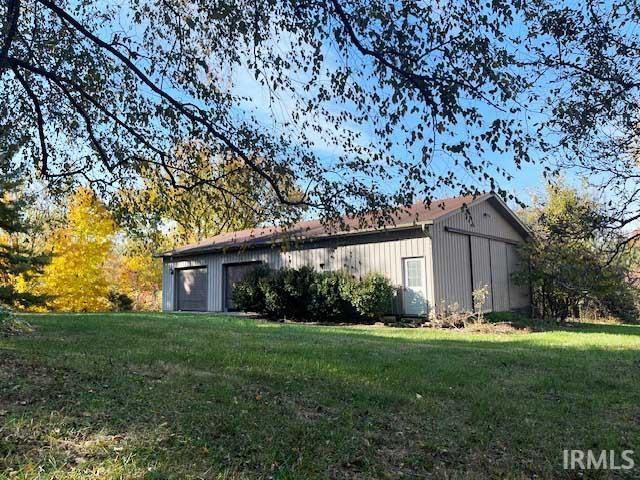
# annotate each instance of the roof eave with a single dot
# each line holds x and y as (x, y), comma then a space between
(281, 241)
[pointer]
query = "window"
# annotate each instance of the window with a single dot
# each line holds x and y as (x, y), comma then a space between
(414, 272)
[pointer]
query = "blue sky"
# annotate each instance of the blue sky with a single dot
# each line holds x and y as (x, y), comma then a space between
(529, 179)
(272, 111)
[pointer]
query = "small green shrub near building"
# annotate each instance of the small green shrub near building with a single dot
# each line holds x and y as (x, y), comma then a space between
(331, 298)
(372, 296)
(248, 293)
(306, 295)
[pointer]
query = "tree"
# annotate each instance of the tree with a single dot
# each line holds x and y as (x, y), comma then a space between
(569, 268)
(75, 280)
(17, 260)
(411, 95)
(588, 55)
(136, 273)
(241, 199)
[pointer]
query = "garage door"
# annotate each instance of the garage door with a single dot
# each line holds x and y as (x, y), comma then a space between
(234, 273)
(500, 276)
(192, 289)
(492, 262)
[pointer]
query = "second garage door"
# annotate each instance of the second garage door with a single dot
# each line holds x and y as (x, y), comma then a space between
(234, 273)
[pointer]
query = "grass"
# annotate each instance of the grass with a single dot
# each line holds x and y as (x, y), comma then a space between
(159, 396)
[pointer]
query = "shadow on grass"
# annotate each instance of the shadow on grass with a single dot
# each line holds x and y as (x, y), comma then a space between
(191, 397)
(608, 328)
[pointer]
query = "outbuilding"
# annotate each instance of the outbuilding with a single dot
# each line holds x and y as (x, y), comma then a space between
(436, 255)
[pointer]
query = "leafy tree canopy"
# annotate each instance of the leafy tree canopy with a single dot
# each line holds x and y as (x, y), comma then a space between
(125, 84)
(167, 215)
(570, 267)
(411, 96)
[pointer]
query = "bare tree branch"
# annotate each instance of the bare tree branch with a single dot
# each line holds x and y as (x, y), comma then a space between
(13, 14)
(179, 106)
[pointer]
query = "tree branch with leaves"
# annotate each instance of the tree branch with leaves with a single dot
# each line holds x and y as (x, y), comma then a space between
(405, 94)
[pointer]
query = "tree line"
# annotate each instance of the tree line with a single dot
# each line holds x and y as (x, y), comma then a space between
(74, 256)
(573, 264)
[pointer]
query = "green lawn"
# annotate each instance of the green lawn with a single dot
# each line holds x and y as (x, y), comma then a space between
(158, 396)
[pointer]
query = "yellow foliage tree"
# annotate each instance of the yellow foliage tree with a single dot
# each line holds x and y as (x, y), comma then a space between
(134, 271)
(141, 279)
(75, 280)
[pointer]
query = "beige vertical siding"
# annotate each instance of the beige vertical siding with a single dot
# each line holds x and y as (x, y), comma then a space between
(451, 271)
(359, 259)
(518, 294)
(500, 277)
(453, 258)
(481, 262)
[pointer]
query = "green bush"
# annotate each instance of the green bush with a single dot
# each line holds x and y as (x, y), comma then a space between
(247, 294)
(272, 292)
(285, 292)
(372, 296)
(329, 301)
(297, 289)
(306, 295)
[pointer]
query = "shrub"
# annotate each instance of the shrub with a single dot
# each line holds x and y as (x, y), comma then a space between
(297, 290)
(273, 295)
(247, 294)
(306, 295)
(372, 297)
(329, 301)
(120, 302)
(286, 293)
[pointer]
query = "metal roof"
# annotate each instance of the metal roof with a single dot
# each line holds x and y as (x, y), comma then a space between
(309, 230)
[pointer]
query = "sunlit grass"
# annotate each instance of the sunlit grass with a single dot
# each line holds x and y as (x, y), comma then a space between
(199, 396)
